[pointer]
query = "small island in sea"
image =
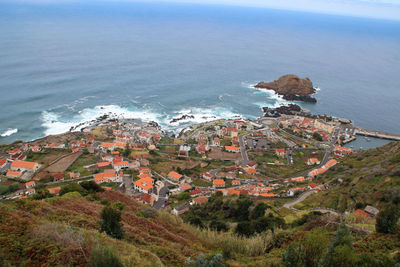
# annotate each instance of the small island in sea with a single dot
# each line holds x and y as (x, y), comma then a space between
(291, 87)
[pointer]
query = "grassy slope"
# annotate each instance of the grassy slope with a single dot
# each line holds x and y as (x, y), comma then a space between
(64, 230)
(35, 232)
(366, 177)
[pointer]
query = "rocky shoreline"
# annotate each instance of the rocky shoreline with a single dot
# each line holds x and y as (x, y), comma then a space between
(291, 109)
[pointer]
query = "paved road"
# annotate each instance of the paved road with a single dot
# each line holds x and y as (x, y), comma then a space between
(301, 198)
(245, 158)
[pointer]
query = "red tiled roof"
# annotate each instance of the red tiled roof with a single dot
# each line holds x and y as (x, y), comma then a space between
(23, 164)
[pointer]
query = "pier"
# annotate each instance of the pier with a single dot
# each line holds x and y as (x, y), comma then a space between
(377, 134)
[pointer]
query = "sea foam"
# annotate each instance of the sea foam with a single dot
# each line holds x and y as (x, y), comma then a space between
(9, 132)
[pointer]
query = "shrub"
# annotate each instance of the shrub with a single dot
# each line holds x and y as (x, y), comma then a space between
(91, 186)
(386, 220)
(119, 206)
(149, 212)
(218, 226)
(202, 261)
(104, 257)
(73, 187)
(111, 222)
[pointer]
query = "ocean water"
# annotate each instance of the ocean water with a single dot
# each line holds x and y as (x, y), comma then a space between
(63, 64)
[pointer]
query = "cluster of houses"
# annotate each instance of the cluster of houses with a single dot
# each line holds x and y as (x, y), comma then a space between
(307, 126)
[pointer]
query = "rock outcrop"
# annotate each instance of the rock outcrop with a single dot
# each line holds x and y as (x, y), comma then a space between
(291, 87)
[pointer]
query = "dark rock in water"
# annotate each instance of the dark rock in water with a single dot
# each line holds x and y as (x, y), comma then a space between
(183, 117)
(304, 98)
(290, 109)
(291, 87)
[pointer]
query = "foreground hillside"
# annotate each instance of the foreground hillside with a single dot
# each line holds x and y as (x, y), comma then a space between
(64, 231)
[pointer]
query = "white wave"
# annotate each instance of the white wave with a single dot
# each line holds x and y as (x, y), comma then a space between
(55, 124)
(248, 85)
(317, 88)
(9, 132)
(220, 97)
(201, 115)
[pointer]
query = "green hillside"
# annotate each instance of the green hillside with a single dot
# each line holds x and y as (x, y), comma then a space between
(370, 177)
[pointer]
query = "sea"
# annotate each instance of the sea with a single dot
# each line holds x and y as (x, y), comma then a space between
(62, 64)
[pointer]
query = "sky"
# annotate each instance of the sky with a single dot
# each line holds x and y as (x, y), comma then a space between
(383, 9)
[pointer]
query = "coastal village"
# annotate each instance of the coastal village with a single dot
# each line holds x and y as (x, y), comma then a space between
(269, 158)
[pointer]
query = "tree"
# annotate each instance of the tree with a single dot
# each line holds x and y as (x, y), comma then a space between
(91, 186)
(267, 222)
(386, 220)
(241, 211)
(317, 136)
(258, 211)
(183, 196)
(244, 228)
(111, 222)
(127, 152)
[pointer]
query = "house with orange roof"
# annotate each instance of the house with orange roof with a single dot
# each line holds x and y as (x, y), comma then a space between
(144, 185)
(58, 176)
(219, 183)
(199, 200)
(56, 146)
(20, 165)
(330, 164)
(103, 164)
(35, 148)
(13, 174)
(3, 163)
(54, 190)
(99, 178)
(267, 195)
(185, 187)
(30, 184)
(298, 179)
(208, 176)
(176, 177)
(74, 175)
(280, 152)
(233, 149)
(217, 141)
(14, 151)
(250, 171)
(341, 151)
(233, 191)
(362, 213)
(312, 186)
(195, 192)
(147, 199)
(120, 165)
(120, 145)
(235, 182)
(107, 146)
(313, 161)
